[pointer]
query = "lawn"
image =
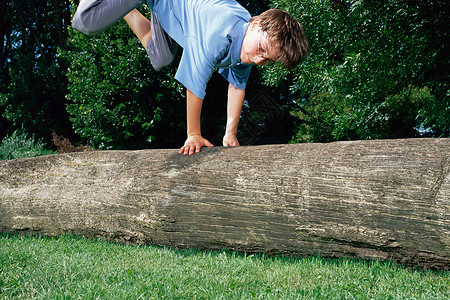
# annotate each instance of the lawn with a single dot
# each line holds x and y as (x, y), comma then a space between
(68, 267)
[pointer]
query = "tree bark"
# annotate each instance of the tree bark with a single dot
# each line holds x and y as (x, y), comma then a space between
(384, 199)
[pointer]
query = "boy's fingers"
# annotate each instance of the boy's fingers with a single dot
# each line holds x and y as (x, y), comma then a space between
(186, 150)
(191, 149)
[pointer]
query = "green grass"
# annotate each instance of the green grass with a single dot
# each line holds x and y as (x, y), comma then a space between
(75, 268)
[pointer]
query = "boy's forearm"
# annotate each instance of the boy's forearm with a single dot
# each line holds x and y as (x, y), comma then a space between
(234, 108)
(194, 110)
(194, 141)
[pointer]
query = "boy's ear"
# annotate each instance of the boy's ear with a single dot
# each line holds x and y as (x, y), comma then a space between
(255, 24)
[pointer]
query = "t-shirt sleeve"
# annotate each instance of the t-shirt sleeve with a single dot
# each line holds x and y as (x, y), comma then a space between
(195, 68)
(237, 75)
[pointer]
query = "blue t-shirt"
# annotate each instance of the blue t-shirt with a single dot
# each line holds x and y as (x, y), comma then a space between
(211, 33)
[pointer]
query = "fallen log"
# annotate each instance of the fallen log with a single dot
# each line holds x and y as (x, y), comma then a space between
(384, 199)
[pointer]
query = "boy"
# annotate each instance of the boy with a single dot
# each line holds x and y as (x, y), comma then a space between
(213, 34)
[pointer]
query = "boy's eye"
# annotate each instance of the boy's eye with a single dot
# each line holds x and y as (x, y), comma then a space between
(261, 51)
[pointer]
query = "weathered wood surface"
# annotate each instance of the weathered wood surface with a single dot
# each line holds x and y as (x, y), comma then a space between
(370, 199)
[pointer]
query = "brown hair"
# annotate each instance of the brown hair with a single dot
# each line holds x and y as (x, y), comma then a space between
(285, 32)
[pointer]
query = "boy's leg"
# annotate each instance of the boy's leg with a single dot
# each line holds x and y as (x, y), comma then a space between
(140, 25)
(161, 49)
(93, 16)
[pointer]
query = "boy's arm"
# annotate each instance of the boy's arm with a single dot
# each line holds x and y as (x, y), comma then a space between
(194, 141)
(234, 108)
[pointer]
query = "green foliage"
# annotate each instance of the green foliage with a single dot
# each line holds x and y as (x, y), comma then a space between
(32, 80)
(116, 99)
(69, 267)
(20, 145)
(327, 117)
(374, 70)
(377, 69)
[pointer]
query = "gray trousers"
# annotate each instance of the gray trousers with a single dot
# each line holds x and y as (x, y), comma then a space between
(94, 16)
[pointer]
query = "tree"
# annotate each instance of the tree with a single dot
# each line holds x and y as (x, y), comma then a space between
(385, 199)
(33, 83)
(375, 70)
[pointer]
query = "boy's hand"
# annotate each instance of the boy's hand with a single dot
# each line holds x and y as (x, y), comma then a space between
(230, 140)
(193, 144)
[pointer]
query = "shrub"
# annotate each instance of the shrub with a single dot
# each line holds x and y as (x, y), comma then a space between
(64, 145)
(375, 70)
(19, 145)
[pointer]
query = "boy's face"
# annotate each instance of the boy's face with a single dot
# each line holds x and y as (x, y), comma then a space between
(256, 48)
